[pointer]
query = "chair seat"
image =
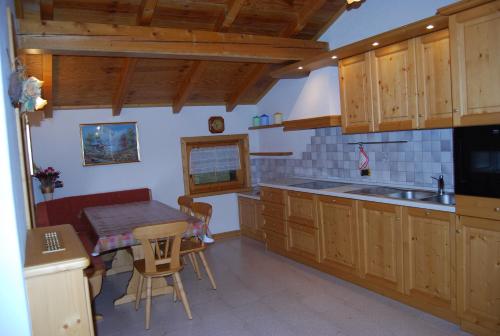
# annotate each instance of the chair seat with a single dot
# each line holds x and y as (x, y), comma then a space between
(162, 270)
(189, 246)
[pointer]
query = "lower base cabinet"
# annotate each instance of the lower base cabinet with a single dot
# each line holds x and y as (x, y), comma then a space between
(251, 221)
(381, 244)
(478, 268)
(429, 259)
(303, 241)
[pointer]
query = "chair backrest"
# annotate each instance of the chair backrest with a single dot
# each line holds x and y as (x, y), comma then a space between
(161, 244)
(185, 204)
(202, 211)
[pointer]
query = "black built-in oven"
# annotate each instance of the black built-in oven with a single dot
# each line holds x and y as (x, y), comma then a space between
(476, 152)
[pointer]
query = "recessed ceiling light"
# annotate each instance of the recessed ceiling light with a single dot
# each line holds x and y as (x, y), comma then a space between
(300, 68)
(334, 57)
(375, 44)
(430, 27)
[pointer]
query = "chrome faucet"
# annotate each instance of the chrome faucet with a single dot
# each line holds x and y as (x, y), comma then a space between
(440, 181)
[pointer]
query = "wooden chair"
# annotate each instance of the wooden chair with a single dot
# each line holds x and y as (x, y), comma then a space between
(161, 244)
(185, 204)
(195, 246)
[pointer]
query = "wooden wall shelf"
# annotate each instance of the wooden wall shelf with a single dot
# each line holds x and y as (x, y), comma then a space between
(263, 127)
(311, 123)
(271, 153)
(330, 58)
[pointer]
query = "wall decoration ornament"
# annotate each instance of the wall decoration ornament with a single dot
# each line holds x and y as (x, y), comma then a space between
(25, 92)
(216, 124)
(109, 143)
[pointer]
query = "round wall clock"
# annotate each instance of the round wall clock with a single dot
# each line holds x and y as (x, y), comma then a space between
(216, 124)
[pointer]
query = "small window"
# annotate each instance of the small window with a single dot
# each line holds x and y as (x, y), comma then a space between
(215, 164)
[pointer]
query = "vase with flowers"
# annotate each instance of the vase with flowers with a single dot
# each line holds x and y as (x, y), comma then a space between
(48, 178)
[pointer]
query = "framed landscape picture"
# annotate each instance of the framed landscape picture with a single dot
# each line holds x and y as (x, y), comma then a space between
(109, 143)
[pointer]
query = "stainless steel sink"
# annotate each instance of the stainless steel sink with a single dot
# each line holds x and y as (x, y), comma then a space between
(411, 194)
(446, 199)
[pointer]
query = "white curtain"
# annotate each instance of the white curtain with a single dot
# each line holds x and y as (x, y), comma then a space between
(214, 159)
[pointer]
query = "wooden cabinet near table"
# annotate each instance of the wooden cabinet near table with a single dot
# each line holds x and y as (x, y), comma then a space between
(251, 220)
(338, 233)
(429, 259)
(57, 289)
(475, 56)
(381, 244)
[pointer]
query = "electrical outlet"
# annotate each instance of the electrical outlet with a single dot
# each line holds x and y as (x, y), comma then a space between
(365, 172)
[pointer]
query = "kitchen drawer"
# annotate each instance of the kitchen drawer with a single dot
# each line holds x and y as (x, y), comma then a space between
(272, 195)
(481, 207)
(301, 208)
(273, 210)
(303, 241)
(276, 242)
(274, 224)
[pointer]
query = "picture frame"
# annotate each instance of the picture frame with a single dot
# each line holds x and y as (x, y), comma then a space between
(109, 143)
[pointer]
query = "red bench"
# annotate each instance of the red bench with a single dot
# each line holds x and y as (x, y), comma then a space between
(69, 210)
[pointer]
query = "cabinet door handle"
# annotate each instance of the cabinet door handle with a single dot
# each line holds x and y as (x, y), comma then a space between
(427, 213)
(457, 231)
(456, 109)
(497, 209)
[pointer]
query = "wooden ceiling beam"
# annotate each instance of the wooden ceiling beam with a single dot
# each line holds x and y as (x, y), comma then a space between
(94, 39)
(191, 78)
(47, 85)
(258, 70)
(146, 11)
(123, 84)
(46, 9)
(232, 12)
(308, 10)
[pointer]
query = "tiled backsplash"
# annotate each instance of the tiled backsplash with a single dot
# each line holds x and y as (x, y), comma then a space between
(426, 153)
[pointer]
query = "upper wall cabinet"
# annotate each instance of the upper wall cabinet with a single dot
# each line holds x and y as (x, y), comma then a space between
(475, 55)
(394, 86)
(434, 80)
(402, 86)
(355, 94)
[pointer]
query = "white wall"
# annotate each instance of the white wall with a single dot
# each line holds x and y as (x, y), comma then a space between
(14, 318)
(319, 93)
(57, 143)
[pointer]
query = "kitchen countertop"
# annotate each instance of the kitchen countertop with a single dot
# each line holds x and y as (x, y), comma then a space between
(343, 191)
(254, 193)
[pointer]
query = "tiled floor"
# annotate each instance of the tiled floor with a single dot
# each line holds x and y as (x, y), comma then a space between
(261, 293)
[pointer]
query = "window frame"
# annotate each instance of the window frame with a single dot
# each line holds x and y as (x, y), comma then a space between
(243, 182)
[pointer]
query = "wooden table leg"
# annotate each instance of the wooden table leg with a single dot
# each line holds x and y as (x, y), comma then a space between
(159, 285)
(122, 262)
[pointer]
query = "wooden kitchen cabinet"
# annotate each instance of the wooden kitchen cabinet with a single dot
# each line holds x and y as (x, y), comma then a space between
(394, 86)
(273, 219)
(434, 80)
(381, 245)
(478, 268)
(303, 242)
(475, 64)
(355, 94)
(338, 234)
(251, 220)
(429, 258)
(301, 209)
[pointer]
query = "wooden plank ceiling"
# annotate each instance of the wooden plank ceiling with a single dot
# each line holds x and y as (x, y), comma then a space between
(98, 81)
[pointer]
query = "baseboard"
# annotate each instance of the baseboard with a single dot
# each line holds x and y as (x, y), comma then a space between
(226, 235)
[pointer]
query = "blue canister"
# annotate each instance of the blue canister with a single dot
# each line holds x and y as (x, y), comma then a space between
(264, 120)
(256, 121)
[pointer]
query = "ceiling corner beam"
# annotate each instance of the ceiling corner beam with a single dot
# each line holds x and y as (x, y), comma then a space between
(123, 84)
(46, 9)
(303, 17)
(47, 94)
(190, 79)
(232, 12)
(146, 11)
(258, 70)
(18, 4)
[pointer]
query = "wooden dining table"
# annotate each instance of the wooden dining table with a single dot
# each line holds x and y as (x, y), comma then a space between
(113, 226)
